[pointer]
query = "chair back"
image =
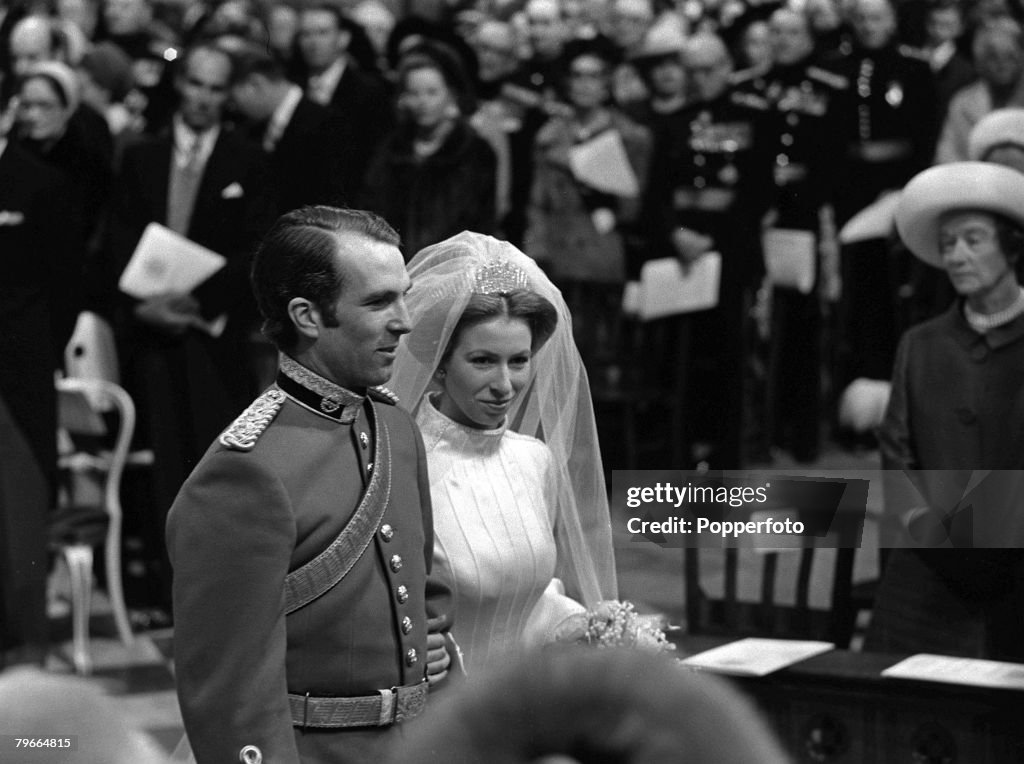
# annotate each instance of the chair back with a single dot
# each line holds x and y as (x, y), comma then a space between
(91, 353)
(800, 588)
(81, 404)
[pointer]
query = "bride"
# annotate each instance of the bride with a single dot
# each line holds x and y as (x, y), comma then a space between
(521, 525)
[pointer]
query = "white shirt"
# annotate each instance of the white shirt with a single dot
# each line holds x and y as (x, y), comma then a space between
(322, 86)
(281, 117)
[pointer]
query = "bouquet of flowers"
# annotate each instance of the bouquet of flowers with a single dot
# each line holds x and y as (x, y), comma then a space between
(615, 624)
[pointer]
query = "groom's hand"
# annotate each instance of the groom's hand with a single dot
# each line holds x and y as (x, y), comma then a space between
(438, 659)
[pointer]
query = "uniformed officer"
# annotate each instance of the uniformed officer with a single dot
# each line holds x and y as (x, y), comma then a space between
(893, 135)
(710, 192)
(302, 541)
(807, 107)
(890, 139)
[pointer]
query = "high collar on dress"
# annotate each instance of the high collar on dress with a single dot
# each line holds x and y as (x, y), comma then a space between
(317, 393)
(436, 427)
(995, 338)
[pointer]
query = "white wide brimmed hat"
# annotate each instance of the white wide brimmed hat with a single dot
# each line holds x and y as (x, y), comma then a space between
(929, 195)
(1001, 127)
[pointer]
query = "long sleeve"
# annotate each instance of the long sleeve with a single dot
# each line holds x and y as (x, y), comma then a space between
(230, 562)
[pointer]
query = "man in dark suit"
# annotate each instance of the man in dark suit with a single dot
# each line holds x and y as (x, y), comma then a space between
(362, 99)
(301, 138)
(38, 276)
(185, 366)
(302, 541)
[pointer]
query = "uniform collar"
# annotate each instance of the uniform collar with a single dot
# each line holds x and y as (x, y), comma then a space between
(317, 393)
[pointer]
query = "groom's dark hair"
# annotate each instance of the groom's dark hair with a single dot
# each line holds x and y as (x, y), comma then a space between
(298, 258)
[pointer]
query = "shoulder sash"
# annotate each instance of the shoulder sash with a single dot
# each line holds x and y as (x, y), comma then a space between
(325, 571)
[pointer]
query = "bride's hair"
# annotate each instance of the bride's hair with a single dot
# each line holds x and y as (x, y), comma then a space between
(535, 311)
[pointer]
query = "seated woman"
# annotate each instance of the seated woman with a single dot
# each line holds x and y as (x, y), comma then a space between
(502, 400)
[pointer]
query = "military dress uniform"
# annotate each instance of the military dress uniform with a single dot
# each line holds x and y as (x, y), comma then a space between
(714, 177)
(312, 484)
(807, 108)
(890, 139)
(895, 122)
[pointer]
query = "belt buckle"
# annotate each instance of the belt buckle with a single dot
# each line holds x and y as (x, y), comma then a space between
(411, 701)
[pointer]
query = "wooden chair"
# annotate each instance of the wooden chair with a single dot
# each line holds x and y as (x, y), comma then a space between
(768, 592)
(92, 459)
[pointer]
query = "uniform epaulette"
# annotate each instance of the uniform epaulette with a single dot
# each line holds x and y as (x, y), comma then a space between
(837, 81)
(382, 394)
(243, 433)
(750, 100)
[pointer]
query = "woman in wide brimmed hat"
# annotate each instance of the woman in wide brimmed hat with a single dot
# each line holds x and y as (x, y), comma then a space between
(956, 413)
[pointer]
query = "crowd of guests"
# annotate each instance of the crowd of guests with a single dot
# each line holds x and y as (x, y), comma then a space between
(725, 120)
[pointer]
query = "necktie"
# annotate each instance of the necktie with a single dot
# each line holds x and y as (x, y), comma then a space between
(184, 184)
(187, 154)
(318, 90)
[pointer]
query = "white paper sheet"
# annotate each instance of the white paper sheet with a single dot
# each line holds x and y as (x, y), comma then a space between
(667, 289)
(790, 257)
(969, 671)
(165, 261)
(602, 164)
(755, 656)
(875, 221)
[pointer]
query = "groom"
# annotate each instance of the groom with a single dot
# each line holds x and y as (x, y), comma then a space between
(302, 541)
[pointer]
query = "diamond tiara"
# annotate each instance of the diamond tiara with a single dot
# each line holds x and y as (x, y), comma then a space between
(500, 277)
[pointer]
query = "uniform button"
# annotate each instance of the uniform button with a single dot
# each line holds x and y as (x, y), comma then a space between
(369, 466)
(364, 440)
(699, 182)
(250, 754)
(966, 416)
(782, 160)
(411, 656)
(979, 353)
(396, 563)
(699, 160)
(406, 625)
(402, 593)
(792, 119)
(387, 532)
(787, 139)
